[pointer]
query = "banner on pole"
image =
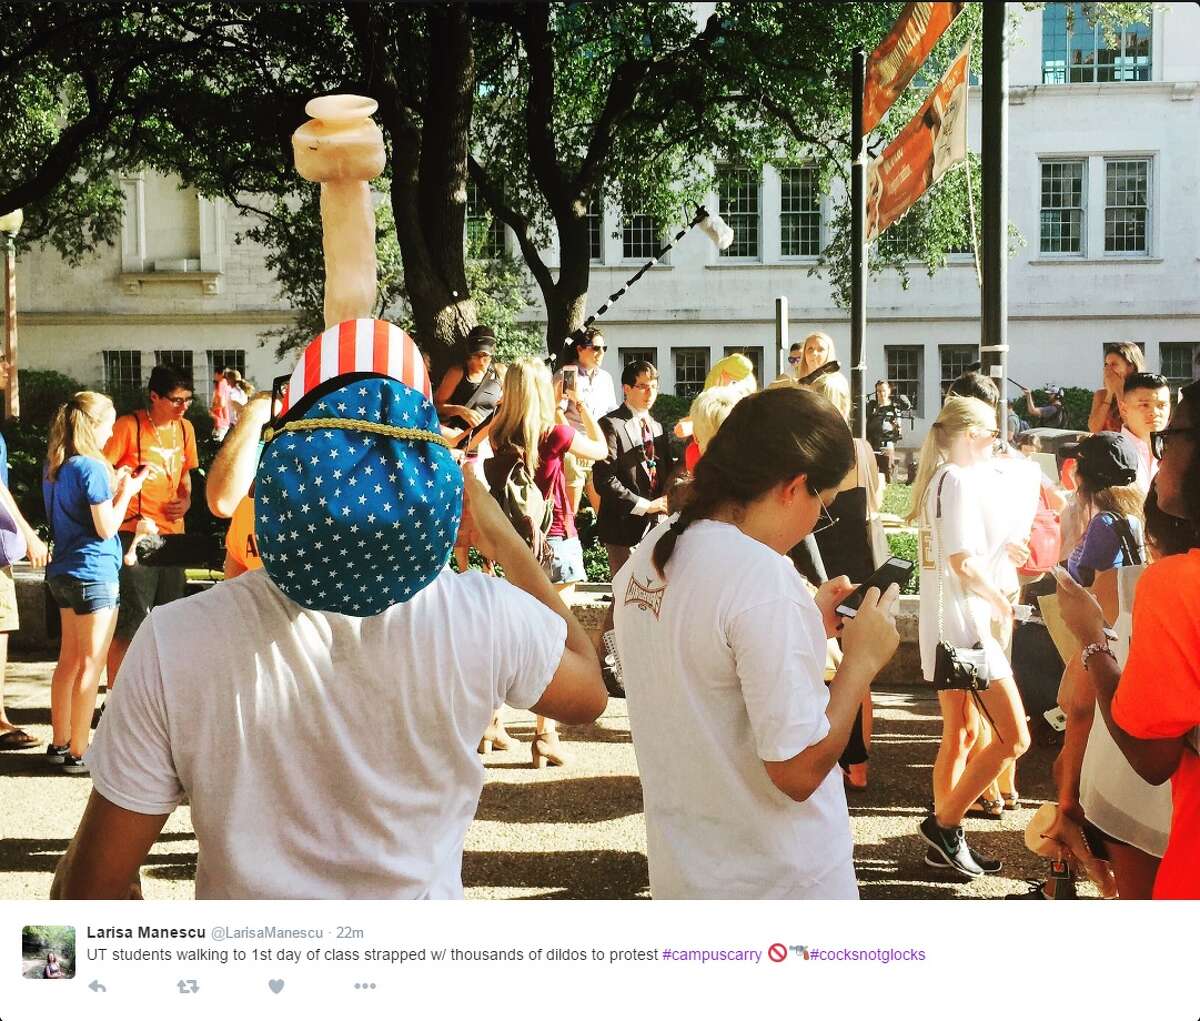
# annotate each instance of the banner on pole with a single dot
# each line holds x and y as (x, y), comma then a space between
(930, 144)
(895, 60)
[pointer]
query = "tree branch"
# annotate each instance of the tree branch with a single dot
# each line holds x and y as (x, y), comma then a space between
(517, 222)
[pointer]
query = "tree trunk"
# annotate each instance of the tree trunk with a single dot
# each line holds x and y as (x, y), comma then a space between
(566, 302)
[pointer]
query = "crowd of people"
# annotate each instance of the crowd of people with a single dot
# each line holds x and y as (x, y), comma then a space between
(748, 693)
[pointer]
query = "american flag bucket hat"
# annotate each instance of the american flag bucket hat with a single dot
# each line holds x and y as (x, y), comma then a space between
(357, 498)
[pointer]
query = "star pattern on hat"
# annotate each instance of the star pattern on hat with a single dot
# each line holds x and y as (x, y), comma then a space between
(352, 522)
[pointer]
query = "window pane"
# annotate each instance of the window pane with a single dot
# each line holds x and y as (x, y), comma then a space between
(691, 366)
(1126, 205)
(738, 204)
(122, 371)
(904, 373)
(485, 233)
(954, 361)
(1134, 64)
(640, 237)
(181, 360)
(800, 212)
(219, 360)
(639, 354)
(1054, 44)
(1179, 363)
(1082, 46)
(1062, 207)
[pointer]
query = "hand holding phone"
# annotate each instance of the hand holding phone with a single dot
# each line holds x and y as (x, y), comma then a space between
(894, 571)
(570, 381)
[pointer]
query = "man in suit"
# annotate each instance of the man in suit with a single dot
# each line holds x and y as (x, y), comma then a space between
(634, 477)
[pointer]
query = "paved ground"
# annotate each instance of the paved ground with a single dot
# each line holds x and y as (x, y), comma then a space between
(575, 832)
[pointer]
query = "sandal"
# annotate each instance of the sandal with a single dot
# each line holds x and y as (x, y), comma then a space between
(987, 808)
(1011, 800)
(16, 740)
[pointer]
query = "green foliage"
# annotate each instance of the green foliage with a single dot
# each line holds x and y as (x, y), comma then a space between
(1076, 399)
(42, 393)
(595, 561)
(44, 938)
(896, 498)
(669, 409)
(904, 544)
(501, 292)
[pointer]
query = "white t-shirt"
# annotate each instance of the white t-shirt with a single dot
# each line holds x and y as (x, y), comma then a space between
(723, 667)
(972, 521)
(324, 756)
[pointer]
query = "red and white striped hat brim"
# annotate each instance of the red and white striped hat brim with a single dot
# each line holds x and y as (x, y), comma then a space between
(358, 345)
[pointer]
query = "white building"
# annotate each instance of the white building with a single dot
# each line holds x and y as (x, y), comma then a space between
(1104, 186)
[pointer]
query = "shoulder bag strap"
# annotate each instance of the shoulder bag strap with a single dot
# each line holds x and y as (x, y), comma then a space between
(937, 541)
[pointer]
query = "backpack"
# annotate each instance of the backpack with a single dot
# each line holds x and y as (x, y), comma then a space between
(514, 489)
(1045, 541)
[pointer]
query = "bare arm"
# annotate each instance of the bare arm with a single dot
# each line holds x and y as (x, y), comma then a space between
(1101, 403)
(37, 551)
(102, 861)
(592, 445)
(108, 516)
(869, 640)
(576, 692)
(972, 575)
(232, 471)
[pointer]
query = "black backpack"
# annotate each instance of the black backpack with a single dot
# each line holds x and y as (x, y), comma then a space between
(514, 489)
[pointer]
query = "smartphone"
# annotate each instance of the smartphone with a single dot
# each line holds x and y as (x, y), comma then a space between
(570, 378)
(895, 571)
(139, 471)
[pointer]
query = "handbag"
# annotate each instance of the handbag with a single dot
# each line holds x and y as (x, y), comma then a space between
(954, 669)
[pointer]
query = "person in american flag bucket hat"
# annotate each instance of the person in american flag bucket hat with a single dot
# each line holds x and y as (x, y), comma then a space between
(357, 498)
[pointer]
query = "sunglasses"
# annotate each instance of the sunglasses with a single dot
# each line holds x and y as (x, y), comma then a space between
(830, 520)
(599, 347)
(1158, 440)
(795, 359)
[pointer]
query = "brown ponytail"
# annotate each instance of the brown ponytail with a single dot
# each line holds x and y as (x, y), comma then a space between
(768, 438)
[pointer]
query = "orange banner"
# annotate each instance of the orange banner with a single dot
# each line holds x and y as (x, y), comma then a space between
(900, 56)
(929, 145)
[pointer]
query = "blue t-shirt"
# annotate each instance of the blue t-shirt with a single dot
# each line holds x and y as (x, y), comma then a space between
(1102, 549)
(3, 461)
(78, 551)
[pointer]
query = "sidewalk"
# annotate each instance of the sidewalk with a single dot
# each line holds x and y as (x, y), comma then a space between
(575, 832)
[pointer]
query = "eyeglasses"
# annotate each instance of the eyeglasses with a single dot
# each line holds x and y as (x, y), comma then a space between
(645, 387)
(179, 402)
(1158, 440)
(830, 520)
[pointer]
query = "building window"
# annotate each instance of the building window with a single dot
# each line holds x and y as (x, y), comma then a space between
(755, 354)
(640, 237)
(1180, 363)
(1062, 207)
(221, 359)
(691, 366)
(629, 355)
(904, 373)
(1126, 206)
(955, 358)
(181, 360)
(595, 219)
(738, 201)
(800, 212)
(122, 371)
(1075, 49)
(485, 233)
(902, 238)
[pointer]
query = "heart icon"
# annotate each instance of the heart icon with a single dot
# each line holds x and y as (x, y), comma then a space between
(276, 985)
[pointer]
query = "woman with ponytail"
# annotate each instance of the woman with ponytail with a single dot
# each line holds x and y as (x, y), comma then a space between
(963, 544)
(723, 654)
(86, 503)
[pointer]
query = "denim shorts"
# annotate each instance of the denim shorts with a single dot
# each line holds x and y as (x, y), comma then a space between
(84, 597)
(567, 566)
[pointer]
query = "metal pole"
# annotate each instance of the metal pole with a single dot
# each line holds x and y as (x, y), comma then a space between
(12, 400)
(781, 335)
(858, 236)
(994, 341)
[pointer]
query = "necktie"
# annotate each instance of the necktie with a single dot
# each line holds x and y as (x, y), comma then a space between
(651, 461)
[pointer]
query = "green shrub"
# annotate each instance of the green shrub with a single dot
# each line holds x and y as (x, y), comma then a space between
(595, 560)
(904, 544)
(896, 498)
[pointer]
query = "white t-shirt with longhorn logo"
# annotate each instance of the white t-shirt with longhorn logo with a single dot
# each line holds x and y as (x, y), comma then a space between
(723, 666)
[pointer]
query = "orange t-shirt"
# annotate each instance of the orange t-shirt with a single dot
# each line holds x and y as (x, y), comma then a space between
(240, 542)
(170, 450)
(1159, 697)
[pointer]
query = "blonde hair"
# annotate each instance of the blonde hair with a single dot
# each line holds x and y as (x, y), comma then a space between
(835, 388)
(821, 334)
(234, 378)
(710, 409)
(73, 431)
(738, 368)
(958, 415)
(526, 411)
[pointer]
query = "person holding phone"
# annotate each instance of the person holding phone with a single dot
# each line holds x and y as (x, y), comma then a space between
(86, 501)
(594, 390)
(723, 655)
(963, 537)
